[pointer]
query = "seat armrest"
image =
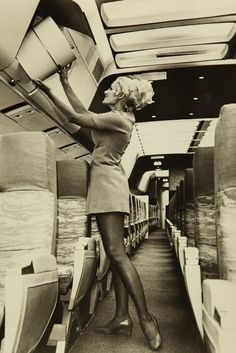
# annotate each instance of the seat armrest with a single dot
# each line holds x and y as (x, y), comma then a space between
(33, 263)
(219, 301)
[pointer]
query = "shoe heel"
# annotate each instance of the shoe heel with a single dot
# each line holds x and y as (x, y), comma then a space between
(122, 328)
(125, 330)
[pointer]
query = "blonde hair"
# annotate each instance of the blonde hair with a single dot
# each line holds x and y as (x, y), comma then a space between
(138, 92)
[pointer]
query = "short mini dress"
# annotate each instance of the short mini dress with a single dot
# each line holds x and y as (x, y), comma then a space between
(108, 189)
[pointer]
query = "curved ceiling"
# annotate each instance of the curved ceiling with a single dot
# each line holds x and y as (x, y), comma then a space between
(146, 164)
(187, 49)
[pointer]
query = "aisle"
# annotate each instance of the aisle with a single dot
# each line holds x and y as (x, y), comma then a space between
(166, 297)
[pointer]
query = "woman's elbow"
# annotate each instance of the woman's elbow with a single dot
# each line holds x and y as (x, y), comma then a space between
(72, 119)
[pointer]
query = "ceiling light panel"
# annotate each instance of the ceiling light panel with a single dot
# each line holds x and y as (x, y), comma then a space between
(167, 137)
(173, 36)
(172, 55)
(126, 13)
(208, 139)
(152, 76)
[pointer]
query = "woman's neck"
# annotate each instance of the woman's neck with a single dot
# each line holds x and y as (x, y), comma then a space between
(120, 107)
(117, 108)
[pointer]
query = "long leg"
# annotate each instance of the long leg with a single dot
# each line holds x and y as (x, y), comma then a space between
(111, 226)
(121, 321)
(121, 296)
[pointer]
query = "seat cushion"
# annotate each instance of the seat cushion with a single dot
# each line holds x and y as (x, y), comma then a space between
(65, 275)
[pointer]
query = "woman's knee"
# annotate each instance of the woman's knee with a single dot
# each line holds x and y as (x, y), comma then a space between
(115, 253)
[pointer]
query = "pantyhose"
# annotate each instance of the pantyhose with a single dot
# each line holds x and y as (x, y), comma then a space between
(125, 277)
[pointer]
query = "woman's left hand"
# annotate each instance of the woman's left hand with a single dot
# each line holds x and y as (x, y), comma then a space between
(43, 87)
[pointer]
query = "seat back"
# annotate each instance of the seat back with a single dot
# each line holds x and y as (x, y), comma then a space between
(204, 209)
(27, 207)
(71, 217)
(189, 207)
(225, 191)
(76, 256)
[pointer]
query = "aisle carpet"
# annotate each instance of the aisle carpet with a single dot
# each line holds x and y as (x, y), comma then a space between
(167, 300)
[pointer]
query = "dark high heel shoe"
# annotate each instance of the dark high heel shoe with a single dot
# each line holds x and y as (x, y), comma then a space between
(156, 342)
(124, 327)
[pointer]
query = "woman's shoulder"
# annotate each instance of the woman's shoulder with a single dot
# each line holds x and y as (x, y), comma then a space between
(114, 120)
(126, 116)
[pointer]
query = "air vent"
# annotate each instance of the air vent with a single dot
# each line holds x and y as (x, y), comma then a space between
(60, 138)
(30, 118)
(74, 150)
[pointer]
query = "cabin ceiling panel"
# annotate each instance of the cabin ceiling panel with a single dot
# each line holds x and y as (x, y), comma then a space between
(172, 55)
(183, 93)
(127, 13)
(172, 36)
(134, 27)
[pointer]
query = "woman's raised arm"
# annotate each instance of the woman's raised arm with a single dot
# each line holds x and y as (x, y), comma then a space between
(70, 116)
(75, 102)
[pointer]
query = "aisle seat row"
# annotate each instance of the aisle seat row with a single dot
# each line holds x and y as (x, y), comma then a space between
(154, 216)
(204, 241)
(50, 251)
(137, 222)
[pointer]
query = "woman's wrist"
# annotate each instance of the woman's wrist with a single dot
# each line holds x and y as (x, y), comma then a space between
(64, 80)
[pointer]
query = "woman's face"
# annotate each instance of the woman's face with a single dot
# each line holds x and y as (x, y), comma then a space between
(111, 95)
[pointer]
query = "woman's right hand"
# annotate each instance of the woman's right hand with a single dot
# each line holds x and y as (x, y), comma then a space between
(63, 72)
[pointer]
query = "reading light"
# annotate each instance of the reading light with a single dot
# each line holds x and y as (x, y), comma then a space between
(201, 77)
(190, 114)
(154, 116)
(195, 98)
(157, 163)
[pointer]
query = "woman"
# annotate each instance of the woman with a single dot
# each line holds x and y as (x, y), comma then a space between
(108, 189)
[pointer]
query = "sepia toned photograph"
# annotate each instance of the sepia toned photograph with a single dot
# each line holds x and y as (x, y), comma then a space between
(117, 176)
